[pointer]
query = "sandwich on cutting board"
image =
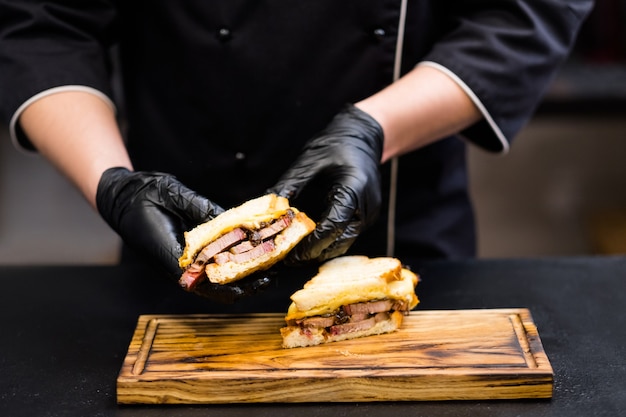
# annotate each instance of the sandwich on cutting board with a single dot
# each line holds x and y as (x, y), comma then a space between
(350, 297)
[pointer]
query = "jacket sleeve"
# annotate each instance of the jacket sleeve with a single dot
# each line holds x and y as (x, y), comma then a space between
(49, 46)
(505, 54)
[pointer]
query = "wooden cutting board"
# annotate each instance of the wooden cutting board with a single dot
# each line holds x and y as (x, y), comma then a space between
(436, 355)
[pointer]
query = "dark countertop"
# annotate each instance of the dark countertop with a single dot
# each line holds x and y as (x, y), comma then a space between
(66, 331)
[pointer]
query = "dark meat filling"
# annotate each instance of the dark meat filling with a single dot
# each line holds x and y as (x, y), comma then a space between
(352, 317)
(238, 245)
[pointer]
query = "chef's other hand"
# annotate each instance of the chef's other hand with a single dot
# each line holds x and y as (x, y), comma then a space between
(347, 156)
(150, 211)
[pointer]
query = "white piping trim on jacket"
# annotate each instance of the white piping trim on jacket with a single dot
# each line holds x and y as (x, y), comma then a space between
(393, 182)
(503, 141)
(48, 92)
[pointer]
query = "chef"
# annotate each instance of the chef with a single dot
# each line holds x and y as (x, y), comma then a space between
(163, 113)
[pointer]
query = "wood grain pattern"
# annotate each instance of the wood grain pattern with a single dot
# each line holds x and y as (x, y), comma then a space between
(436, 355)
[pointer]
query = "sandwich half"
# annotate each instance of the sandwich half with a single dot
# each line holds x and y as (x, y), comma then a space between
(245, 239)
(350, 297)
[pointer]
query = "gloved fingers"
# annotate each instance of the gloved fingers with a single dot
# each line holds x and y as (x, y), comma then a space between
(313, 245)
(341, 216)
(191, 208)
(169, 255)
(119, 186)
(295, 179)
(343, 208)
(231, 293)
(155, 234)
(330, 243)
(256, 285)
(151, 211)
(186, 203)
(343, 242)
(345, 156)
(223, 294)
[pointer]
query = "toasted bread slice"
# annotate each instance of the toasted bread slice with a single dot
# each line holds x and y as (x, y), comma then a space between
(348, 280)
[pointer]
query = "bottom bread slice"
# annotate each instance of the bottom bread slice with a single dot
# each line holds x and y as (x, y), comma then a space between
(296, 336)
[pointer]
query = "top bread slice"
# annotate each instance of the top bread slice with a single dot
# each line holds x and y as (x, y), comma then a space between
(353, 279)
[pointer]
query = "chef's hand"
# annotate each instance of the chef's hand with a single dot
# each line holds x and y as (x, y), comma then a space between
(347, 154)
(150, 211)
(230, 293)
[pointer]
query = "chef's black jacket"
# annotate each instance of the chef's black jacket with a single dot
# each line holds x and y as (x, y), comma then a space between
(224, 93)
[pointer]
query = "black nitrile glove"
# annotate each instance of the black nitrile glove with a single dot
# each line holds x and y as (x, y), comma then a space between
(150, 211)
(230, 293)
(347, 154)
